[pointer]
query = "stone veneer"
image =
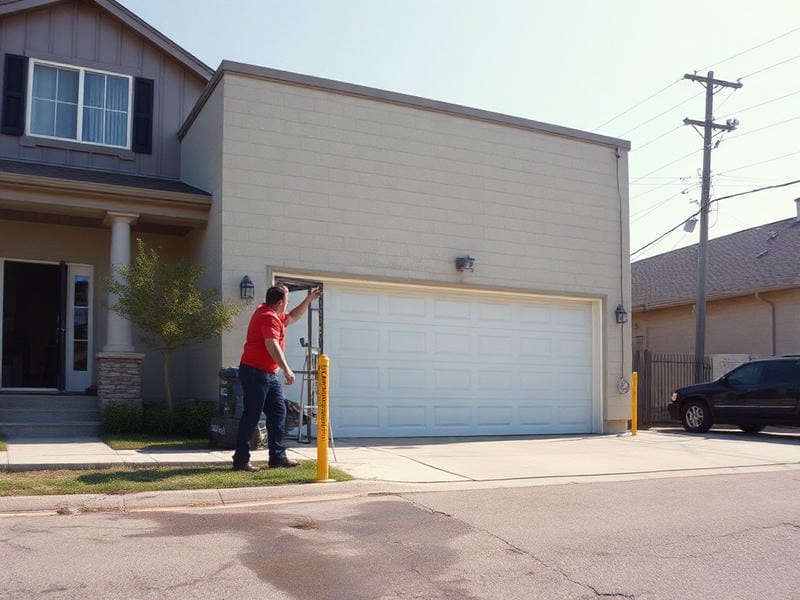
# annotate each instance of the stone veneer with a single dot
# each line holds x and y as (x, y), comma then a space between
(119, 378)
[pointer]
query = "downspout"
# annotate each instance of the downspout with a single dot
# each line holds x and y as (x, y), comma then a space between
(772, 317)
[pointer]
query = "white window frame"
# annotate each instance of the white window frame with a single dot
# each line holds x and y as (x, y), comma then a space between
(79, 131)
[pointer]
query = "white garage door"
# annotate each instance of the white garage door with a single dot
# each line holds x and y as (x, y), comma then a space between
(411, 362)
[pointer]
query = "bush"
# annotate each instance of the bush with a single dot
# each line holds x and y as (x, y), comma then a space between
(193, 417)
(122, 418)
(190, 419)
(157, 420)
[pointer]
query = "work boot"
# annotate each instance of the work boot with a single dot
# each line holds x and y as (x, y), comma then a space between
(282, 461)
(246, 467)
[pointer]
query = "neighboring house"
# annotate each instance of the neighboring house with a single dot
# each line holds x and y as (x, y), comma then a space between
(753, 294)
(269, 174)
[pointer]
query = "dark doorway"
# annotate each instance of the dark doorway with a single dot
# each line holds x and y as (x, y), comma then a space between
(32, 316)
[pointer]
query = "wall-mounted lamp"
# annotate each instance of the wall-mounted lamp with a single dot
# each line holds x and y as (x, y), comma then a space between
(621, 314)
(247, 290)
(465, 263)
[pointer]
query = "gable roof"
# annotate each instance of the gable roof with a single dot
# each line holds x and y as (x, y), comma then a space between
(758, 259)
(119, 12)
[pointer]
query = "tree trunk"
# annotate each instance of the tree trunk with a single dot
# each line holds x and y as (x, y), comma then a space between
(167, 390)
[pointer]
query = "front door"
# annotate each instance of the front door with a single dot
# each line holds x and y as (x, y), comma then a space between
(45, 340)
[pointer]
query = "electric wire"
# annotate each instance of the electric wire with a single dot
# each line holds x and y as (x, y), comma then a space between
(756, 47)
(710, 202)
(627, 110)
(783, 62)
(692, 97)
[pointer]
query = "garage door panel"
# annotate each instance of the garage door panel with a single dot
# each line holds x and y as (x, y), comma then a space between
(494, 415)
(452, 310)
(356, 417)
(406, 416)
(417, 362)
(451, 379)
(413, 379)
(452, 344)
(452, 415)
(403, 341)
(358, 340)
(494, 380)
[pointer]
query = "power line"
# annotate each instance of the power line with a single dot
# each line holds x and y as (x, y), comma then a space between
(666, 233)
(666, 165)
(771, 67)
(740, 111)
(762, 44)
(626, 111)
(692, 97)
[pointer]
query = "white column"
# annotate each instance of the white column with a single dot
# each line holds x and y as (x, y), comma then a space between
(119, 334)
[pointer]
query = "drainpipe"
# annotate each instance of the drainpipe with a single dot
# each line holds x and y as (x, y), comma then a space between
(772, 316)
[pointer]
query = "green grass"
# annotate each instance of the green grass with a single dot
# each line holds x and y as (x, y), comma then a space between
(136, 441)
(126, 480)
(3, 445)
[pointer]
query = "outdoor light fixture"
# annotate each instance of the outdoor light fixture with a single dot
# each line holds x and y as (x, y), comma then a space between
(621, 314)
(247, 290)
(465, 263)
(689, 224)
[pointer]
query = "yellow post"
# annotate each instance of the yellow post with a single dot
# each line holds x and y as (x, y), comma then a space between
(634, 402)
(323, 374)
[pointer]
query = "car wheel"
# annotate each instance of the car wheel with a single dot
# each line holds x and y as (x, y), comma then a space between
(696, 417)
(751, 428)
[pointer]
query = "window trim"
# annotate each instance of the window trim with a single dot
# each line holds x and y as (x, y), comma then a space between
(32, 62)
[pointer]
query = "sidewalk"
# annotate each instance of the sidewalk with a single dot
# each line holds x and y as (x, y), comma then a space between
(393, 465)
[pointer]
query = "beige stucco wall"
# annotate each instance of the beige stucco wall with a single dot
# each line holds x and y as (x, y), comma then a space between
(201, 166)
(740, 325)
(316, 180)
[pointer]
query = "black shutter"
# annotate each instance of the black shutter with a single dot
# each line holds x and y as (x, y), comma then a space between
(142, 141)
(15, 84)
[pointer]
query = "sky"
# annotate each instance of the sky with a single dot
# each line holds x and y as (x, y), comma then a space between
(610, 67)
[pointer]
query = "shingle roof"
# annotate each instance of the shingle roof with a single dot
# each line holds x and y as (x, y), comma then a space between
(94, 176)
(762, 258)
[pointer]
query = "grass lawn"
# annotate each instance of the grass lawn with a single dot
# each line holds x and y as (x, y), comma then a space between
(3, 445)
(126, 480)
(130, 479)
(135, 441)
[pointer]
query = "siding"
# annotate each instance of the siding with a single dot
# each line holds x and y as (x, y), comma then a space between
(79, 34)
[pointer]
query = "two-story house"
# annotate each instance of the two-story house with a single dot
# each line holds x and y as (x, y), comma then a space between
(472, 262)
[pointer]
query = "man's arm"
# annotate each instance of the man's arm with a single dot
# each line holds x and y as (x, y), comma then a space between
(298, 310)
(276, 352)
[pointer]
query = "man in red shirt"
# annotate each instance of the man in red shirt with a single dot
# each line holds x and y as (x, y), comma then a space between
(262, 357)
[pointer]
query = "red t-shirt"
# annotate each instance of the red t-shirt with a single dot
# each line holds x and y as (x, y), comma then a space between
(264, 324)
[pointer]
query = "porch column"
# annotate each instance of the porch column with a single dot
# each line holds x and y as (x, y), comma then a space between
(119, 333)
(119, 368)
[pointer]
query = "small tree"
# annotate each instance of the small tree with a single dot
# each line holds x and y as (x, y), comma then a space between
(165, 304)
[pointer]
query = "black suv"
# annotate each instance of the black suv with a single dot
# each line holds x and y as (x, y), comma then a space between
(755, 394)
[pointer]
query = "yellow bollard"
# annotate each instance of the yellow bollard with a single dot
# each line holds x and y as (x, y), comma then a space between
(634, 402)
(323, 379)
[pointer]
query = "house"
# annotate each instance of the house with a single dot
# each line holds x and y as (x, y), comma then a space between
(471, 261)
(753, 294)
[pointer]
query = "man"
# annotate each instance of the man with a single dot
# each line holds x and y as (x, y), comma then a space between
(262, 357)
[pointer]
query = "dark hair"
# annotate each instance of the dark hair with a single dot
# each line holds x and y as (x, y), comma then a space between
(275, 294)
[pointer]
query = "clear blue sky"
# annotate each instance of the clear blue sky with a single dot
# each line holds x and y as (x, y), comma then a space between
(576, 63)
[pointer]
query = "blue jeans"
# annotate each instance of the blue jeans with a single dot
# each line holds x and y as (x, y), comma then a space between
(262, 391)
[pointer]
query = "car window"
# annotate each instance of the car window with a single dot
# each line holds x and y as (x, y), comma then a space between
(749, 374)
(784, 372)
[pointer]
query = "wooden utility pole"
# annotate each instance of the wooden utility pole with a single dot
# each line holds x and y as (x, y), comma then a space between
(708, 126)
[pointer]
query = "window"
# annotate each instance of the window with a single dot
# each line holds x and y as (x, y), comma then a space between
(79, 104)
(749, 374)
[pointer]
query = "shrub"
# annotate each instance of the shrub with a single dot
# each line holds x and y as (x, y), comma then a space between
(122, 418)
(158, 420)
(193, 417)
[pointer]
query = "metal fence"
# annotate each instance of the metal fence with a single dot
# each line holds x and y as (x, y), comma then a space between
(659, 375)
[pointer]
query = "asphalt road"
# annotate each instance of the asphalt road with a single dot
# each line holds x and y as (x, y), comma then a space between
(723, 536)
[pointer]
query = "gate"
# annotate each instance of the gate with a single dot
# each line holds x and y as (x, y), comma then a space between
(659, 376)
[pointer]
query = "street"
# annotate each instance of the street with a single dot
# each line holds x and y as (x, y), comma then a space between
(721, 536)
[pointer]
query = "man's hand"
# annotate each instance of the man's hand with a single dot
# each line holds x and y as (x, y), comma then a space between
(288, 376)
(314, 293)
